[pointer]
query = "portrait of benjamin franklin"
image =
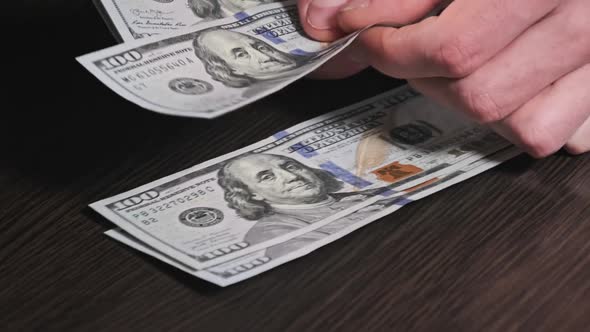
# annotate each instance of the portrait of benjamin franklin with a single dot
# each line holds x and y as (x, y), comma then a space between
(214, 9)
(280, 194)
(238, 60)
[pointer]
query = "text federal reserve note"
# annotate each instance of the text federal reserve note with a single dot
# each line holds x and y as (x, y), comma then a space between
(300, 179)
(135, 19)
(215, 68)
(252, 264)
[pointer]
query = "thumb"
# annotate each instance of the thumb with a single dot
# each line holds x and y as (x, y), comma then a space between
(319, 18)
(358, 14)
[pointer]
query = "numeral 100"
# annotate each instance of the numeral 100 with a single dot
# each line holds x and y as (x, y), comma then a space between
(132, 201)
(120, 60)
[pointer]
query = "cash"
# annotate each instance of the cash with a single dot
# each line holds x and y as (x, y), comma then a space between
(250, 265)
(204, 58)
(135, 19)
(312, 180)
(247, 212)
(217, 66)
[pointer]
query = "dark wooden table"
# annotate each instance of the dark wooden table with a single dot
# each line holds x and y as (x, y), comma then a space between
(508, 250)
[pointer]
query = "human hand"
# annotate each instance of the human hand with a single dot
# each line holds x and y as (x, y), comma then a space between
(523, 67)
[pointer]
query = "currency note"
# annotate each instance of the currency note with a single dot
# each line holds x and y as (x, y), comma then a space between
(299, 179)
(215, 68)
(252, 264)
(135, 19)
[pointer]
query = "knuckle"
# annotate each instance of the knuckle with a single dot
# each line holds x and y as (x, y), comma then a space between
(481, 105)
(456, 57)
(537, 141)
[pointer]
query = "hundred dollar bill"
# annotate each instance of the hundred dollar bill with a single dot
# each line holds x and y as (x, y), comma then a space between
(135, 19)
(215, 68)
(299, 179)
(252, 264)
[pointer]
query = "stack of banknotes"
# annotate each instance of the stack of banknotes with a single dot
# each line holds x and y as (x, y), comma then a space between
(244, 213)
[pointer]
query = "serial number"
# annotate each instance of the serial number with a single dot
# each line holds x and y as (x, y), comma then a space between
(173, 203)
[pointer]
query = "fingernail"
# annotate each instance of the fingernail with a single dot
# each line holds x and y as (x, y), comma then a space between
(355, 4)
(322, 13)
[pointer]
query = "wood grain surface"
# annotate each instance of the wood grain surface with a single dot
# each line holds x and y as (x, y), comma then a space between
(508, 250)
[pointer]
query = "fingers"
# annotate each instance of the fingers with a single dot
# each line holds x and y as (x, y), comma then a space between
(536, 59)
(559, 115)
(520, 66)
(358, 14)
(320, 17)
(517, 73)
(454, 44)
